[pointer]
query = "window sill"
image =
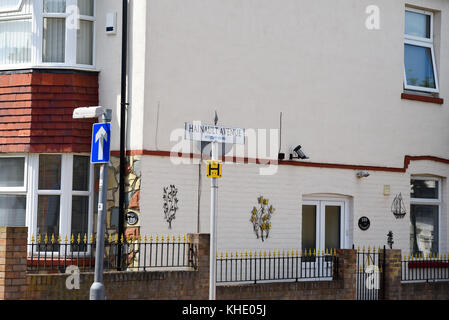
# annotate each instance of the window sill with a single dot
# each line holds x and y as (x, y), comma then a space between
(417, 97)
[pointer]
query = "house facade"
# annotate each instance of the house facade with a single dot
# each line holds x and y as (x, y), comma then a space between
(361, 86)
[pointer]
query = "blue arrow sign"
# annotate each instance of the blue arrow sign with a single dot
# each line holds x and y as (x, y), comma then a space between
(101, 143)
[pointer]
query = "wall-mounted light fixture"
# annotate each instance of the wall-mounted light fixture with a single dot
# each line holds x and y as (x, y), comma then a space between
(363, 174)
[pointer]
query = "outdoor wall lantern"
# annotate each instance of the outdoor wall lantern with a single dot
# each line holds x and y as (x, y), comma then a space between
(363, 174)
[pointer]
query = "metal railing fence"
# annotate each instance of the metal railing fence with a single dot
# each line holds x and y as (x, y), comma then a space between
(272, 266)
(54, 255)
(429, 268)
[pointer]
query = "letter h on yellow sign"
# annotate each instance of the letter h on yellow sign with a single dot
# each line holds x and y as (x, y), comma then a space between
(214, 169)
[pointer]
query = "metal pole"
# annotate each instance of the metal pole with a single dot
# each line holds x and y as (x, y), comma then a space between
(97, 290)
(213, 228)
(123, 105)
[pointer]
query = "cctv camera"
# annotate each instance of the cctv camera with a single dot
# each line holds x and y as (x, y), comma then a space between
(301, 154)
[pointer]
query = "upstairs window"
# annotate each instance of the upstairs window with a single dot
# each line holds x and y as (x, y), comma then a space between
(419, 57)
(49, 33)
(68, 28)
(10, 5)
(15, 32)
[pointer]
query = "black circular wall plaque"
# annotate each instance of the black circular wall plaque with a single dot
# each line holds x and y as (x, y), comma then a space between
(132, 218)
(364, 223)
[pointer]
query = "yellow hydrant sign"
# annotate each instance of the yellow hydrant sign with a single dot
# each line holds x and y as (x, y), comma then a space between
(214, 169)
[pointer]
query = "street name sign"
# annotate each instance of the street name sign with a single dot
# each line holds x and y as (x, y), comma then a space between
(196, 131)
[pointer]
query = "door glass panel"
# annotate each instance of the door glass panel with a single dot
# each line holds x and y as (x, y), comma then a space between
(424, 229)
(309, 227)
(332, 227)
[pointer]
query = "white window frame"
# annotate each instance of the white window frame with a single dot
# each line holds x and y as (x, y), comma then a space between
(422, 42)
(16, 8)
(70, 35)
(37, 29)
(321, 203)
(16, 190)
(65, 193)
(6, 15)
(436, 202)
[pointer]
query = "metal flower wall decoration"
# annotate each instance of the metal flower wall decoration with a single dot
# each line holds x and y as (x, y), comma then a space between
(261, 218)
(170, 204)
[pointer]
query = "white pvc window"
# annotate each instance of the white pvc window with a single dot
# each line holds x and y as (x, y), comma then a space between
(15, 32)
(68, 28)
(61, 197)
(85, 34)
(420, 72)
(49, 33)
(425, 208)
(13, 198)
(10, 5)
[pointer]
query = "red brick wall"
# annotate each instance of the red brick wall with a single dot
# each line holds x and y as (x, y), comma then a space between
(36, 110)
(397, 290)
(13, 263)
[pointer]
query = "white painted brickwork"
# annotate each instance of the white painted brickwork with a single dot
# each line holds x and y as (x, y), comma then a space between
(242, 185)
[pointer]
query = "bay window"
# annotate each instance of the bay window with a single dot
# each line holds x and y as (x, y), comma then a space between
(419, 56)
(53, 197)
(49, 33)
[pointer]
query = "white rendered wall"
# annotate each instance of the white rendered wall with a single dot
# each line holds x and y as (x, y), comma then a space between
(242, 185)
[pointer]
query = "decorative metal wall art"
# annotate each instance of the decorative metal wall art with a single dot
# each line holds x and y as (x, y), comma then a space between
(261, 218)
(390, 239)
(398, 207)
(170, 204)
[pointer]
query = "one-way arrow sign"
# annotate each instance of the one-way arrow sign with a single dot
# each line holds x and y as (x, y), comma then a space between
(101, 143)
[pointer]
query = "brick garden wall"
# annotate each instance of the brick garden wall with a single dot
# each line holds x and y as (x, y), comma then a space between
(13, 259)
(343, 288)
(16, 284)
(154, 285)
(395, 290)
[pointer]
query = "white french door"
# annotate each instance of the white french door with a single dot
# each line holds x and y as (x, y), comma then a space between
(323, 229)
